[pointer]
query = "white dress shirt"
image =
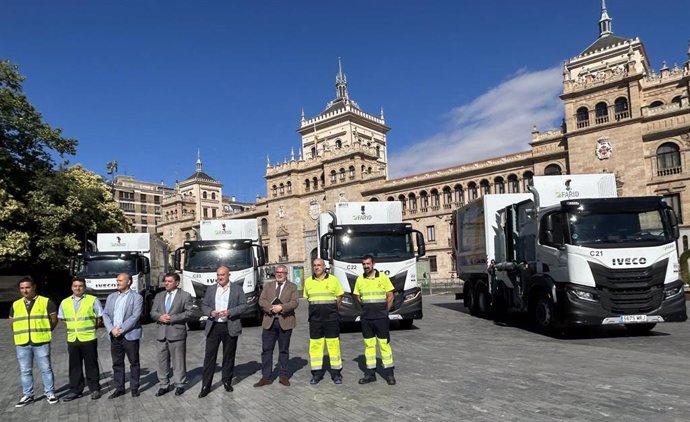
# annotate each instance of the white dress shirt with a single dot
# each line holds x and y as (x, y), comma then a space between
(222, 298)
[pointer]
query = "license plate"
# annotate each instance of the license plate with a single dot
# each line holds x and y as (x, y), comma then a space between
(628, 319)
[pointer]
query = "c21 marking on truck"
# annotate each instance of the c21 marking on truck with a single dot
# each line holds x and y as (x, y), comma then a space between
(628, 261)
(596, 253)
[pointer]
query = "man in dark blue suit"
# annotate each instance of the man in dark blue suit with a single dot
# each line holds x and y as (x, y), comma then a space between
(224, 304)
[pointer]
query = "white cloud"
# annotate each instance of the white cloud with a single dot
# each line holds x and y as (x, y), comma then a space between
(497, 123)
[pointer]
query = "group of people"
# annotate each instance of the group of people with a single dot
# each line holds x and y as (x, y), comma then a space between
(34, 317)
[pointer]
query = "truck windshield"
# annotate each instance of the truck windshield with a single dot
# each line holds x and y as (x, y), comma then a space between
(211, 257)
(618, 227)
(351, 245)
(109, 266)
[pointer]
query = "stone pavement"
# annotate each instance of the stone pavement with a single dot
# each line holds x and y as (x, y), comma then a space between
(450, 367)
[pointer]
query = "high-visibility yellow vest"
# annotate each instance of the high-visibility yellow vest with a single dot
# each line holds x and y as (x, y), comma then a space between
(82, 325)
(373, 290)
(324, 291)
(34, 326)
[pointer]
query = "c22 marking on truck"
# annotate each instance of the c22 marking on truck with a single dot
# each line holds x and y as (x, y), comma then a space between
(351, 267)
(596, 253)
(628, 261)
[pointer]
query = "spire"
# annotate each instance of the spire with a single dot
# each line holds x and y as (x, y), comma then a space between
(382, 116)
(268, 162)
(341, 82)
(302, 115)
(292, 153)
(198, 160)
(605, 27)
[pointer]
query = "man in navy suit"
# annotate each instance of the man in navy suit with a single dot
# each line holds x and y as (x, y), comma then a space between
(121, 315)
(224, 304)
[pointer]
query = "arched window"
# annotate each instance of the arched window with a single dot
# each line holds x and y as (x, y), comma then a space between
(621, 108)
(472, 191)
(423, 200)
(281, 189)
(403, 201)
(527, 180)
(484, 186)
(601, 111)
(656, 103)
(306, 185)
(390, 198)
(513, 185)
(499, 185)
(315, 182)
(289, 187)
(275, 190)
(323, 180)
(668, 159)
(412, 201)
(582, 116)
(264, 227)
(368, 170)
(447, 197)
(204, 195)
(552, 169)
(342, 174)
(458, 194)
(313, 152)
(378, 151)
(676, 100)
(435, 200)
(351, 170)
(338, 144)
(374, 199)
(334, 176)
(213, 195)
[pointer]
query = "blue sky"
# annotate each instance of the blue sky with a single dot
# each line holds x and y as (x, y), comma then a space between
(148, 82)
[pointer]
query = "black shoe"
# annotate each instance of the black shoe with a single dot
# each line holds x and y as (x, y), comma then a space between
(96, 395)
(228, 386)
(367, 379)
(116, 394)
(204, 392)
(71, 396)
(135, 392)
(179, 391)
(161, 391)
(315, 380)
(390, 380)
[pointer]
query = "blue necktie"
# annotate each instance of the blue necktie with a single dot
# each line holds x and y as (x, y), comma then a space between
(168, 302)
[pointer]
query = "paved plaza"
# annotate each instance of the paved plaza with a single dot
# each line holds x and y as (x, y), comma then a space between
(450, 367)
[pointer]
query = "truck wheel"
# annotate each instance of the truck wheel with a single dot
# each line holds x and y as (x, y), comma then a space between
(483, 301)
(640, 328)
(542, 312)
(406, 324)
(468, 298)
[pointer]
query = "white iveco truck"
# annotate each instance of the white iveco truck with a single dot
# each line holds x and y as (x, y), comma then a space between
(143, 255)
(571, 254)
(233, 243)
(356, 229)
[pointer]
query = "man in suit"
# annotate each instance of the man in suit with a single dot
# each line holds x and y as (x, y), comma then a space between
(278, 300)
(121, 315)
(171, 310)
(224, 304)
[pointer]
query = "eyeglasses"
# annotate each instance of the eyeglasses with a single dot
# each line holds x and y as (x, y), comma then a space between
(281, 272)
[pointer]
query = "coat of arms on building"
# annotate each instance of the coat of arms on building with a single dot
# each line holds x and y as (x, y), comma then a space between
(603, 148)
(314, 209)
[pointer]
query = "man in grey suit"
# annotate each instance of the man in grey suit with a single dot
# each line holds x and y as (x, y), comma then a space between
(121, 315)
(171, 310)
(224, 304)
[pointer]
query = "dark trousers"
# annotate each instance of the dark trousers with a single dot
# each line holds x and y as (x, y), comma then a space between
(83, 354)
(119, 347)
(219, 334)
(268, 343)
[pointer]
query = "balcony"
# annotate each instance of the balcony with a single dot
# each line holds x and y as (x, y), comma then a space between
(283, 259)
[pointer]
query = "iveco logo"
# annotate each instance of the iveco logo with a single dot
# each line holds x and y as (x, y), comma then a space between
(629, 261)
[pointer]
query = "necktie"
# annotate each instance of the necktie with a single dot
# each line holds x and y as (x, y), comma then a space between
(278, 286)
(168, 302)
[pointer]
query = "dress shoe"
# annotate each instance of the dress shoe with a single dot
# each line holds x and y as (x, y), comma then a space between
(161, 391)
(285, 381)
(390, 380)
(367, 379)
(228, 386)
(179, 391)
(135, 392)
(116, 394)
(96, 395)
(204, 392)
(262, 382)
(315, 380)
(71, 396)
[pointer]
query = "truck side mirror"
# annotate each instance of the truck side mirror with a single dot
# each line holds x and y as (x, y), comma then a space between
(144, 265)
(324, 249)
(673, 220)
(261, 257)
(421, 247)
(177, 260)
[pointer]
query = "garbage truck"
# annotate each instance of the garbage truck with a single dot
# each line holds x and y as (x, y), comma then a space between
(232, 243)
(143, 255)
(356, 229)
(570, 253)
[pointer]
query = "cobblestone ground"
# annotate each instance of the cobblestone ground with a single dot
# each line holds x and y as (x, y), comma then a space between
(450, 366)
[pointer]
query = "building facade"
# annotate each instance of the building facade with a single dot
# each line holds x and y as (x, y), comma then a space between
(140, 201)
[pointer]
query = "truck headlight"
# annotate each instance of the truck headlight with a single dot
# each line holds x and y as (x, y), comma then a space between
(412, 296)
(673, 292)
(584, 295)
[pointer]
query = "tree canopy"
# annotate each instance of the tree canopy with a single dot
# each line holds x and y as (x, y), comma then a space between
(46, 211)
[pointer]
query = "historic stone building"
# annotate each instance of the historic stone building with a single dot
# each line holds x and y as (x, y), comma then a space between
(620, 116)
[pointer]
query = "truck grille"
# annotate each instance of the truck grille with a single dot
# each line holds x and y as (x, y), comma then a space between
(630, 291)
